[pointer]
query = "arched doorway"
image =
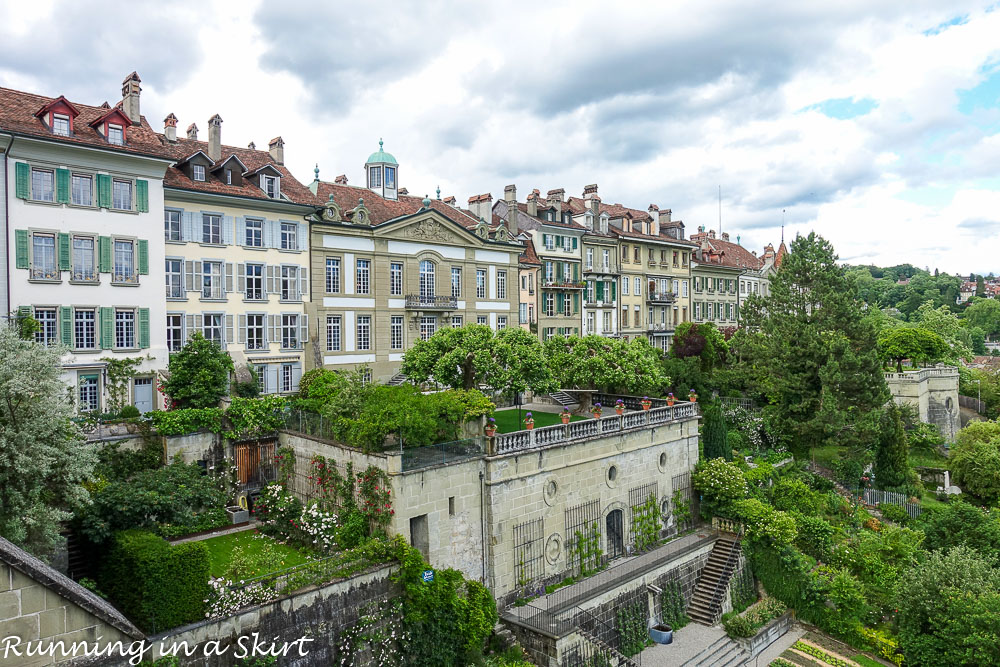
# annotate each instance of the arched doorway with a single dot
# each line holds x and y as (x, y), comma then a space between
(615, 531)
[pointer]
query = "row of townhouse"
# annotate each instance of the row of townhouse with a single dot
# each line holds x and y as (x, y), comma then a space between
(286, 277)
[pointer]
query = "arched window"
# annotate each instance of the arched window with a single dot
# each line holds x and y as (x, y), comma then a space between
(426, 279)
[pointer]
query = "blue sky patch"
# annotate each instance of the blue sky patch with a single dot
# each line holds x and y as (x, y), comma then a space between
(844, 107)
(941, 27)
(985, 95)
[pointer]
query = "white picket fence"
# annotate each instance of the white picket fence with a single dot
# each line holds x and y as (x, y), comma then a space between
(877, 497)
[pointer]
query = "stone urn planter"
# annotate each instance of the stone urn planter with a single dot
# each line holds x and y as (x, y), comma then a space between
(237, 514)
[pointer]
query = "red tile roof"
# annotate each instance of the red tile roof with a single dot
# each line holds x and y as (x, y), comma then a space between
(727, 253)
(529, 257)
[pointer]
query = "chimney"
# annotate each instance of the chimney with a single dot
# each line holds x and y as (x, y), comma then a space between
(404, 191)
(276, 147)
(170, 128)
(593, 200)
(215, 137)
(192, 132)
(482, 206)
(533, 204)
(711, 233)
(510, 193)
(252, 146)
(559, 194)
(451, 201)
(130, 97)
(341, 180)
(664, 214)
(725, 236)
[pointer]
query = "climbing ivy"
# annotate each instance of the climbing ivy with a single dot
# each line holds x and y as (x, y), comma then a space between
(632, 632)
(587, 550)
(681, 508)
(377, 637)
(646, 524)
(672, 605)
(742, 590)
(120, 375)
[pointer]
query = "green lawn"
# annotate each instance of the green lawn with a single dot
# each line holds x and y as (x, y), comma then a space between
(507, 419)
(220, 550)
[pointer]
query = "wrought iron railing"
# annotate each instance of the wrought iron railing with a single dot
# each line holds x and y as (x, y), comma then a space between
(431, 302)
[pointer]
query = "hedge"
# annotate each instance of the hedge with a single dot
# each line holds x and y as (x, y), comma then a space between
(187, 420)
(157, 585)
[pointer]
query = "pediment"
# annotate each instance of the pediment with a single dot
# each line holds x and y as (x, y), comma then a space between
(429, 226)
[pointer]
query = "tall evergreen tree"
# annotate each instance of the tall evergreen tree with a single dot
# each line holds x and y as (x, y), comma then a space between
(812, 350)
(891, 466)
(714, 434)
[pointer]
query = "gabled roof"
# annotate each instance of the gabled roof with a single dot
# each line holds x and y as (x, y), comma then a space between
(115, 111)
(59, 100)
(726, 253)
(529, 257)
(194, 155)
(224, 161)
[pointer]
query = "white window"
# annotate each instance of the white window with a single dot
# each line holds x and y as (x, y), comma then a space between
(396, 332)
(254, 233)
(333, 333)
(550, 304)
(590, 323)
(42, 185)
(395, 278)
(456, 281)
(364, 332)
(116, 135)
(568, 304)
(82, 190)
(173, 270)
(261, 371)
(590, 258)
(567, 272)
(229, 176)
(697, 310)
(549, 272)
(124, 262)
(522, 313)
(270, 185)
(89, 393)
(332, 275)
(363, 283)
(286, 378)
(175, 331)
(501, 284)
(211, 281)
(122, 195)
(124, 329)
(480, 283)
(289, 285)
(456, 321)
(501, 322)
(84, 268)
(211, 228)
(390, 177)
(85, 329)
(255, 332)
(428, 325)
(375, 177)
(607, 260)
(198, 170)
(60, 124)
(288, 236)
(625, 282)
(255, 282)
(426, 279)
(638, 286)
(607, 322)
(47, 332)
(171, 224)
(684, 288)
(675, 285)
(212, 324)
(290, 332)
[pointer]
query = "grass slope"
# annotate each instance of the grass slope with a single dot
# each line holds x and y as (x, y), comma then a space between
(220, 550)
(507, 419)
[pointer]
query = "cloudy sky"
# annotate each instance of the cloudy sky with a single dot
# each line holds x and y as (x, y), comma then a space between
(875, 124)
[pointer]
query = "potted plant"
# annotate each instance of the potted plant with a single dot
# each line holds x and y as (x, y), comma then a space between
(646, 403)
(565, 415)
(491, 427)
(620, 406)
(596, 410)
(670, 398)
(692, 396)
(529, 421)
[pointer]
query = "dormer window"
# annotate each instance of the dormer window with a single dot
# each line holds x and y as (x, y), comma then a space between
(390, 177)
(375, 177)
(229, 176)
(270, 185)
(116, 135)
(552, 216)
(60, 124)
(198, 172)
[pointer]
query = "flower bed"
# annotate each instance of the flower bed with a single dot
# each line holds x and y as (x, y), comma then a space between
(754, 618)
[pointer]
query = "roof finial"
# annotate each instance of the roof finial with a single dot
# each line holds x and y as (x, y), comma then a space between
(316, 171)
(380, 143)
(737, 239)
(439, 193)
(426, 202)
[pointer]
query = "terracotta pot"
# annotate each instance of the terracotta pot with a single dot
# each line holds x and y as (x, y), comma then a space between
(646, 406)
(529, 425)
(565, 418)
(620, 411)
(670, 401)
(490, 432)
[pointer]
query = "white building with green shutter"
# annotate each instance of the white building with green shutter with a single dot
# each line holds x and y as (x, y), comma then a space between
(84, 200)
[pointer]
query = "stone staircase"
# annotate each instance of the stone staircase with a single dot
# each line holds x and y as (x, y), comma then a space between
(723, 652)
(562, 398)
(397, 380)
(706, 603)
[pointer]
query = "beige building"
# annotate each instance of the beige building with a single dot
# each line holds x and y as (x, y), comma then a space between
(716, 273)
(389, 269)
(237, 254)
(528, 268)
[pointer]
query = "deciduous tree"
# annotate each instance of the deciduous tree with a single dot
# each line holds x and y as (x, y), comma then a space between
(914, 343)
(199, 374)
(612, 364)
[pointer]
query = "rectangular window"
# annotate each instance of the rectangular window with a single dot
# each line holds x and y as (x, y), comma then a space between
(47, 333)
(255, 332)
(636, 258)
(124, 329)
(229, 176)
(175, 332)
(122, 195)
(84, 265)
(390, 177)
(85, 329)
(481, 319)
(456, 281)
(290, 332)
(607, 322)
(568, 304)
(363, 282)
(211, 228)
(254, 234)
(43, 185)
(375, 177)
(590, 323)
(289, 287)
(286, 378)
(456, 321)
(60, 124)
(288, 236)
(427, 327)
(116, 135)
(82, 190)
(501, 284)
(270, 186)
(199, 172)
(501, 322)
(625, 282)
(255, 283)
(124, 262)
(522, 313)
(480, 283)
(550, 304)
(212, 328)
(332, 275)
(333, 333)
(174, 269)
(364, 332)
(625, 316)
(395, 278)
(684, 288)
(590, 258)
(638, 286)
(550, 274)
(396, 332)
(211, 281)
(550, 242)
(172, 225)
(89, 393)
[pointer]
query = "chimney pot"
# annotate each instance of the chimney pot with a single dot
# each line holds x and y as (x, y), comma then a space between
(664, 215)
(252, 146)
(532, 206)
(725, 236)
(510, 193)
(130, 97)
(556, 194)
(404, 191)
(589, 190)
(276, 147)
(215, 137)
(170, 128)
(192, 132)
(341, 180)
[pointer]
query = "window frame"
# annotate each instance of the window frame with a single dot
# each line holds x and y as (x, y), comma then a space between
(57, 120)
(288, 236)
(260, 342)
(73, 178)
(198, 173)
(206, 219)
(115, 130)
(94, 263)
(254, 232)
(332, 275)
(261, 290)
(123, 321)
(363, 269)
(81, 323)
(363, 333)
(334, 333)
(44, 274)
(115, 182)
(395, 278)
(396, 332)
(179, 292)
(178, 326)
(131, 278)
(51, 185)
(168, 223)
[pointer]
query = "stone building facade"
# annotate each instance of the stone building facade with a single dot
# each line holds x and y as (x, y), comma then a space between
(934, 394)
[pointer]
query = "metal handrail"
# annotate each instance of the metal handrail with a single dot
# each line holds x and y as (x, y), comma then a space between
(734, 552)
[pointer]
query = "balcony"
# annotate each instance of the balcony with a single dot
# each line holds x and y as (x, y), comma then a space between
(600, 303)
(601, 268)
(659, 327)
(666, 298)
(419, 302)
(563, 284)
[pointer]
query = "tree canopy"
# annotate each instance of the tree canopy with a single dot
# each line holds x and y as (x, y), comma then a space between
(985, 314)
(704, 341)
(914, 343)
(199, 374)
(611, 364)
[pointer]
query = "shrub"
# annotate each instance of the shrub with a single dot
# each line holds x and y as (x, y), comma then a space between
(253, 417)
(721, 483)
(156, 585)
(814, 536)
(754, 618)
(714, 438)
(189, 420)
(736, 441)
(199, 374)
(849, 472)
(976, 465)
(894, 513)
(792, 494)
(961, 524)
(763, 522)
(353, 530)
(130, 412)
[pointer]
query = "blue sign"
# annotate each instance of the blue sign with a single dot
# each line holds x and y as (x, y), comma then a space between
(428, 575)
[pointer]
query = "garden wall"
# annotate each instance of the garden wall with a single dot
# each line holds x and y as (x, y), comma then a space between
(933, 392)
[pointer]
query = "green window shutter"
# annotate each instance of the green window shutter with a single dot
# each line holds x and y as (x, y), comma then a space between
(104, 254)
(21, 241)
(64, 252)
(104, 190)
(62, 186)
(142, 196)
(574, 242)
(614, 294)
(144, 327)
(24, 311)
(66, 325)
(600, 290)
(576, 270)
(23, 172)
(143, 256)
(576, 302)
(107, 328)
(559, 303)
